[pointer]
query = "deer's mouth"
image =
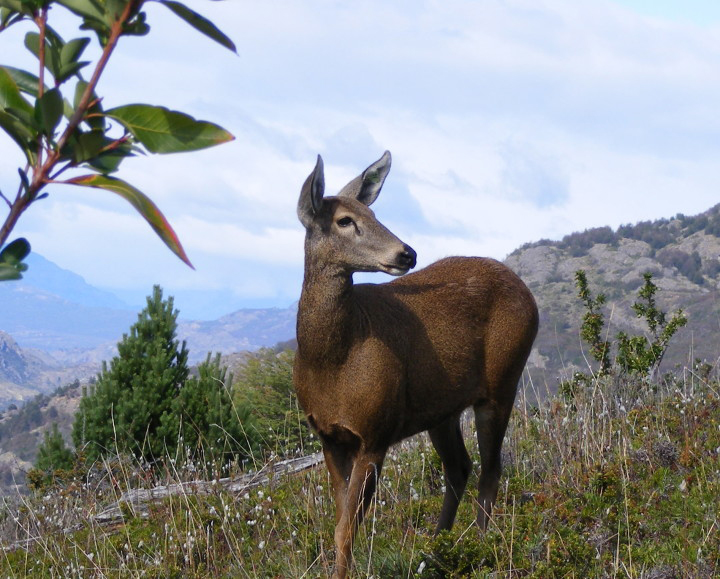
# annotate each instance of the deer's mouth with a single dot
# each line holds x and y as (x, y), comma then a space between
(395, 270)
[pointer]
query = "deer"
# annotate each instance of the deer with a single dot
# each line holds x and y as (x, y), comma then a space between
(378, 363)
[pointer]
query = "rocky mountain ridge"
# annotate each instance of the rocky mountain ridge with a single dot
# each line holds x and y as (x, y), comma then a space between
(682, 255)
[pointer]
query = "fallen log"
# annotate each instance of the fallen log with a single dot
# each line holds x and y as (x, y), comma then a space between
(138, 500)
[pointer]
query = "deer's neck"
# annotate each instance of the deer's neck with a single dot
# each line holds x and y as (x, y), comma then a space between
(325, 314)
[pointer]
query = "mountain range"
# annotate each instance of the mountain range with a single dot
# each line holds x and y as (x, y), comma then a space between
(55, 328)
(65, 327)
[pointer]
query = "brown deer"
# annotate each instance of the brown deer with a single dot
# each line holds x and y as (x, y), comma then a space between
(377, 363)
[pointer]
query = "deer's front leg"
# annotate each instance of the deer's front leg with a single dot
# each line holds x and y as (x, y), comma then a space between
(358, 496)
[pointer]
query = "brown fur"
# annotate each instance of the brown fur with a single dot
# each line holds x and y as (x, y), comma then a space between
(378, 363)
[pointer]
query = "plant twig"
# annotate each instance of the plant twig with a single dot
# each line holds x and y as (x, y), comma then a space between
(6, 200)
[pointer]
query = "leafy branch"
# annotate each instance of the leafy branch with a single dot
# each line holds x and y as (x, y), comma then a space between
(57, 135)
(592, 323)
(642, 355)
(637, 355)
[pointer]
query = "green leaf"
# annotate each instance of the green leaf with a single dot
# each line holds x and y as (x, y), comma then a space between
(85, 8)
(20, 133)
(136, 26)
(15, 6)
(25, 81)
(10, 97)
(11, 266)
(49, 111)
(141, 203)
(69, 64)
(53, 48)
(164, 131)
(109, 162)
(70, 69)
(87, 145)
(14, 252)
(32, 43)
(73, 49)
(93, 116)
(16, 115)
(9, 273)
(200, 23)
(113, 10)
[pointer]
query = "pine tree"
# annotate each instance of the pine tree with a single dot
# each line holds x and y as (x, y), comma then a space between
(53, 454)
(123, 412)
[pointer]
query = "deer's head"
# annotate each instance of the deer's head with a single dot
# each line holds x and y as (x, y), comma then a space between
(342, 231)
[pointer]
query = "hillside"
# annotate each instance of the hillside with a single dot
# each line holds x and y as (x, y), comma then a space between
(615, 482)
(247, 329)
(26, 372)
(22, 431)
(22, 428)
(681, 253)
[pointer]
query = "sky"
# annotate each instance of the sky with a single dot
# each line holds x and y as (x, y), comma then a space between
(509, 121)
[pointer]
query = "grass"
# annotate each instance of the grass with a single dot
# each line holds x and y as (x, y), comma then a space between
(621, 480)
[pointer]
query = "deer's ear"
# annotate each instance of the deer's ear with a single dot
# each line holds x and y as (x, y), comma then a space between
(311, 195)
(366, 187)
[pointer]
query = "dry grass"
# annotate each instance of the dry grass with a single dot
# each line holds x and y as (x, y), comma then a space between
(620, 481)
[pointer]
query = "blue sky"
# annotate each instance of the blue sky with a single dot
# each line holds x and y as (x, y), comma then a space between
(508, 120)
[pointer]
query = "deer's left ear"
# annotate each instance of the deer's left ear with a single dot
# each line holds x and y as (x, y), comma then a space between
(311, 195)
(366, 187)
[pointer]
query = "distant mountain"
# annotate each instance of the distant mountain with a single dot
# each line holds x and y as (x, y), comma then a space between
(54, 309)
(247, 329)
(25, 373)
(45, 276)
(682, 254)
(54, 326)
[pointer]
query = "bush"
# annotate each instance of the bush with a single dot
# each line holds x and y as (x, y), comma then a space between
(265, 384)
(52, 453)
(146, 404)
(687, 264)
(637, 355)
(209, 429)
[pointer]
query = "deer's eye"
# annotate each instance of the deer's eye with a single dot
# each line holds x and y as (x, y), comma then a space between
(344, 221)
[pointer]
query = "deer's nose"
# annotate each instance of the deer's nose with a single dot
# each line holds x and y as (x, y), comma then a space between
(408, 257)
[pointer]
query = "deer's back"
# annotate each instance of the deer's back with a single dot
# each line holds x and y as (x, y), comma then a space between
(456, 331)
(455, 294)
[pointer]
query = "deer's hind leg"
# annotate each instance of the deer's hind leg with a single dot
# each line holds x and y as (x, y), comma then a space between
(448, 441)
(491, 420)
